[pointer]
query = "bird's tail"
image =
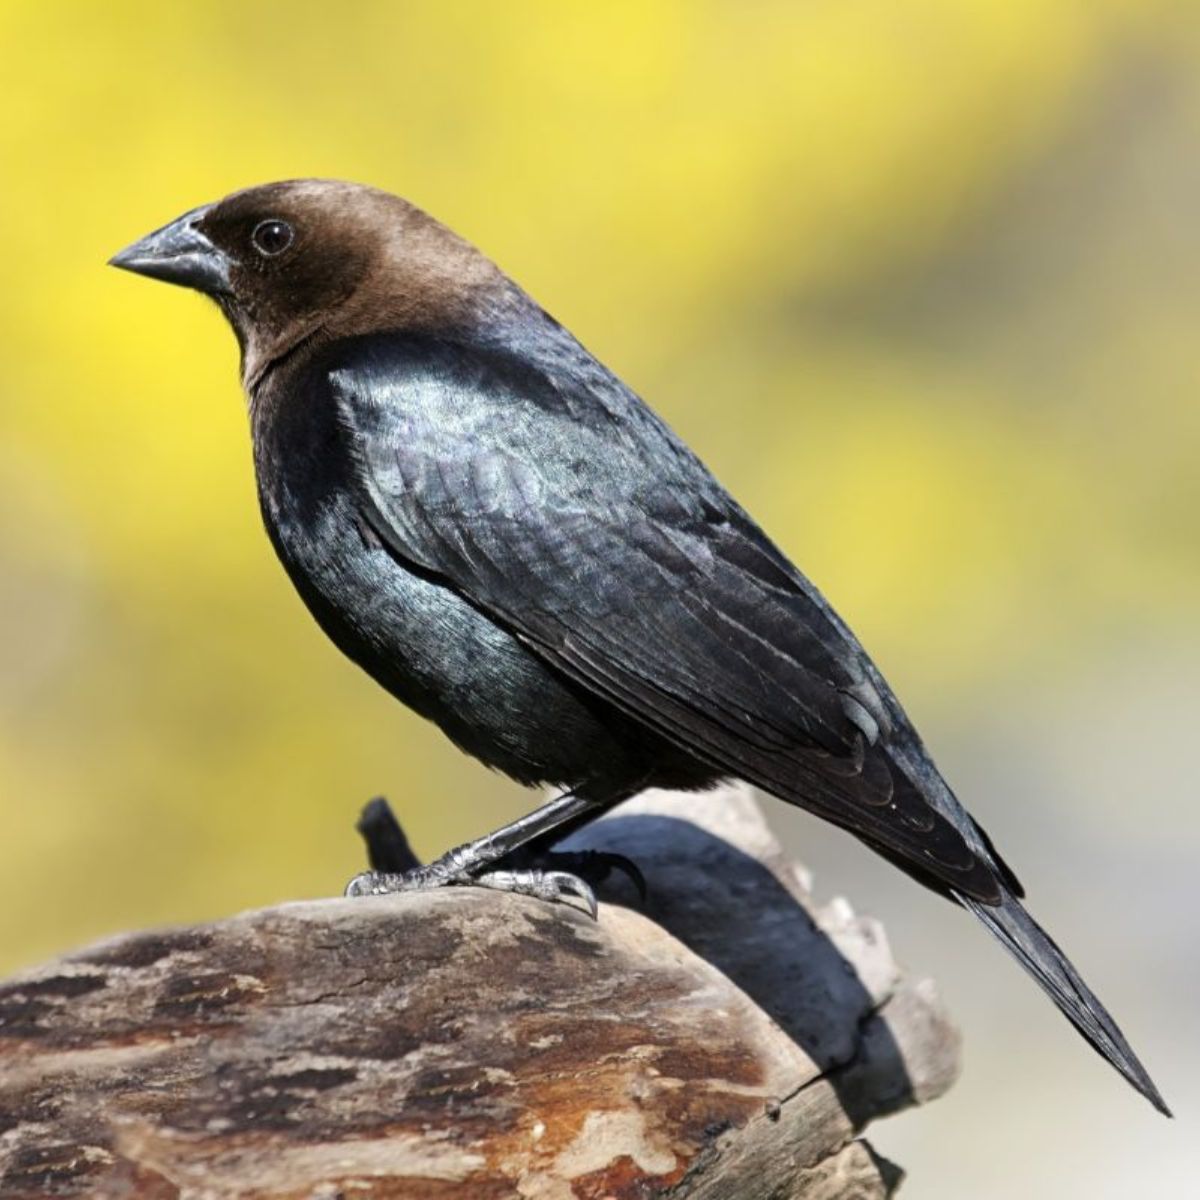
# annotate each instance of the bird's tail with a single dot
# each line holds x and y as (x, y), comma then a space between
(1035, 950)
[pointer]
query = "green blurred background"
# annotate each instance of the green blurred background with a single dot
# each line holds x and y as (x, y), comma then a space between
(919, 280)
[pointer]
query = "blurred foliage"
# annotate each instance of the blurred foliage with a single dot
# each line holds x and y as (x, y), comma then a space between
(919, 281)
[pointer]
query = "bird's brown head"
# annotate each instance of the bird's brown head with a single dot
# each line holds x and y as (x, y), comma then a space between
(310, 258)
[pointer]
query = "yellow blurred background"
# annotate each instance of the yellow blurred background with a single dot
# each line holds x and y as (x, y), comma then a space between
(919, 280)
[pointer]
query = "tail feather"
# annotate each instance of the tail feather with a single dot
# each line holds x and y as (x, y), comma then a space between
(1036, 951)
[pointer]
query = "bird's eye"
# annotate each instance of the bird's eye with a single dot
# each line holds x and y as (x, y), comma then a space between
(272, 237)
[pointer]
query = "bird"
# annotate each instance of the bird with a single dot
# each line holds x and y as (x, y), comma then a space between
(508, 539)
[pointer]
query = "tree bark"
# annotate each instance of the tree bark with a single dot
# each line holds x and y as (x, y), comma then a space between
(727, 1043)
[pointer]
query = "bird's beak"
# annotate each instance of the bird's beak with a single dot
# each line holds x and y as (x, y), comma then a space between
(179, 253)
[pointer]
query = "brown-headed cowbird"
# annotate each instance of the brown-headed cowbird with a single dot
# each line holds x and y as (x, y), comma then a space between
(489, 522)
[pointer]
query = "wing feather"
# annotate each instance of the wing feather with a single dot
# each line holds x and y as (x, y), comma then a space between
(580, 523)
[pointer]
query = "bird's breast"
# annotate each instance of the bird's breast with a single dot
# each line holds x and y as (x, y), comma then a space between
(420, 639)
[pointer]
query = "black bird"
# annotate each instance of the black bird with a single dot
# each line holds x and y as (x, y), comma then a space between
(489, 522)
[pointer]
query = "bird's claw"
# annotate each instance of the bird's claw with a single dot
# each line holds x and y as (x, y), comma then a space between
(555, 887)
(365, 883)
(596, 865)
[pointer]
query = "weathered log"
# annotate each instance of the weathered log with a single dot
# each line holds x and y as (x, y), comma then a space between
(728, 1043)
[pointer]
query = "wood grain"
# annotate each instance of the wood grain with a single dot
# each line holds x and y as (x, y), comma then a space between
(729, 1042)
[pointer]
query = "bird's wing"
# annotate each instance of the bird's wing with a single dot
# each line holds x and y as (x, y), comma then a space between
(569, 513)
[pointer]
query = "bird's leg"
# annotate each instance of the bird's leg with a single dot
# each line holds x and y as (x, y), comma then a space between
(469, 863)
(388, 851)
(593, 866)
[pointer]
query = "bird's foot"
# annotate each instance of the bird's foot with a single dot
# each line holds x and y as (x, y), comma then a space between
(557, 876)
(557, 887)
(592, 866)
